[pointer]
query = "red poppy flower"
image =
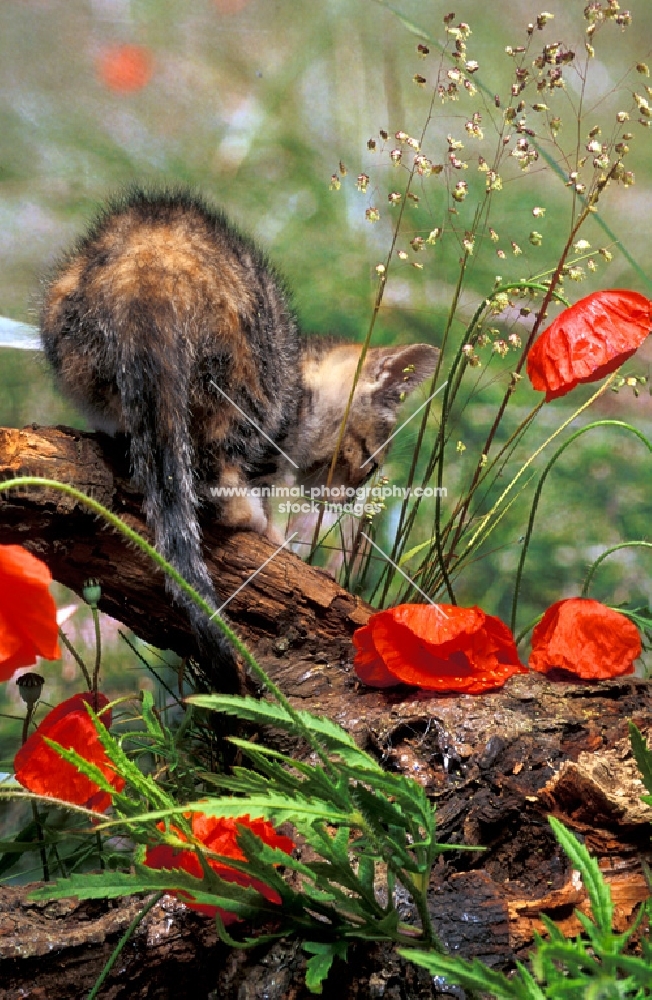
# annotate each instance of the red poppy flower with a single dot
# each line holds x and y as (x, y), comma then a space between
(219, 834)
(125, 68)
(28, 615)
(588, 341)
(40, 769)
(463, 649)
(585, 638)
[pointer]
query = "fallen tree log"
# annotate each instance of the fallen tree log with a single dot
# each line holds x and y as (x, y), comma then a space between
(76, 545)
(496, 764)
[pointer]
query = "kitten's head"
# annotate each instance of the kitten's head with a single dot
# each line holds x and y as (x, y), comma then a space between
(388, 375)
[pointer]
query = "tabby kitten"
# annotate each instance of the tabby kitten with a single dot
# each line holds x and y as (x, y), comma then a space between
(164, 322)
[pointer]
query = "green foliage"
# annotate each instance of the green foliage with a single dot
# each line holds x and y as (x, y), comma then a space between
(319, 965)
(643, 757)
(593, 965)
(642, 618)
(246, 903)
(535, 502)
(368, 830)
(359, 822)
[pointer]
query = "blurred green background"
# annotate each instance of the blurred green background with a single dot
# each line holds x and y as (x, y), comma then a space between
(255, 103)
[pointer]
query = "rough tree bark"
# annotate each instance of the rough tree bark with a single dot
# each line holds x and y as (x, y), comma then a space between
(496, 764)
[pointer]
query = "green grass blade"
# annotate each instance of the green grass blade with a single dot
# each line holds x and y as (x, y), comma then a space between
(642, 755)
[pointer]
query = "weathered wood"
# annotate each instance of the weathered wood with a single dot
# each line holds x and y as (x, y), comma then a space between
(286, 594)
(56, 950)
(495, 764)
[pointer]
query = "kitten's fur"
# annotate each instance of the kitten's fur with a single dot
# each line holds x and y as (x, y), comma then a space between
(162, 301)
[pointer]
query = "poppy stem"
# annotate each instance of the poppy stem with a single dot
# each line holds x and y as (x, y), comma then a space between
(537, 497)
(608, 552)
(73, 652)
(35, 812)
(436, 559)
(380, 291)
(487, 517)
(98, 648)
(41, 842)
(430, 939)
(99, 982)
(528, 628)
(550, 293)
(100, 849)
(26, 722)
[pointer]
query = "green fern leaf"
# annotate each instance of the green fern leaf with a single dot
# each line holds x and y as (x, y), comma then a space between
(599, 894)
(319, 965)
(473, 975)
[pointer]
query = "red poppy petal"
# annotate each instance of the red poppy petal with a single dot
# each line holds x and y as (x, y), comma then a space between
(76, 703)
(493, 646)
(368, 664)
(589, 340)
(586, 638)
(219, 834)
(41, 770)
(19, 564)
(443, 647)
(15, 651)
(170, 858)
(412, 662)
(440, 628)
(28, 624)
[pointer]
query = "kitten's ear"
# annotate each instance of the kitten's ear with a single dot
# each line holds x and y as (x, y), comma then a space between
(392, 372)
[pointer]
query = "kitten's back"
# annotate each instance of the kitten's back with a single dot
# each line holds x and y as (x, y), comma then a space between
(164, 275)
(166, 323)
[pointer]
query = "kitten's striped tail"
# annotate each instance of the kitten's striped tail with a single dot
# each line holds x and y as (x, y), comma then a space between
(154, 385)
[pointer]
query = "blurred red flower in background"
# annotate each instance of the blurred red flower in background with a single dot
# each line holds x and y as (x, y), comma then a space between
(230, 6)
(125, 68)
(586, 638)
(28, 614)
(218, 834)
(462, 650)
(589, 340)
(40, 769)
